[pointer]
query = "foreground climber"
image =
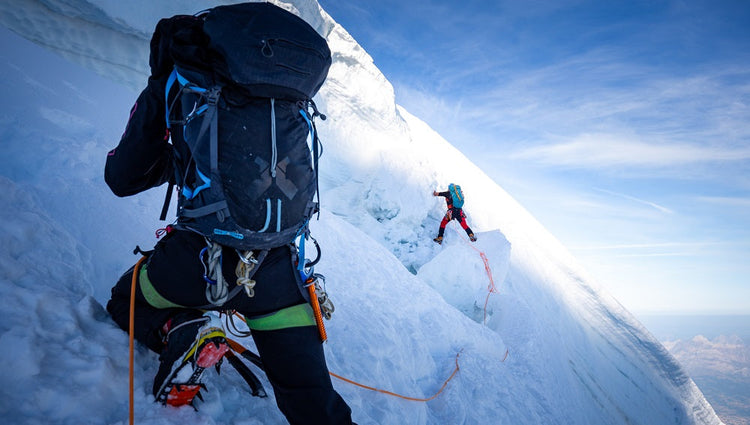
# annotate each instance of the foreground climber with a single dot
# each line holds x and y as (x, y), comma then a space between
(246, 180)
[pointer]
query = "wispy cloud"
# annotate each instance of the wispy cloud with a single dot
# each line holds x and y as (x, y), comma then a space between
(660, 254)
(696, 249)
(726, 201)
(640, 201)
(603, 150)
(642, 246)
(592, 111)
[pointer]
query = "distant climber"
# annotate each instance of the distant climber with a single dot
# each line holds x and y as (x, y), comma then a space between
(454, 198)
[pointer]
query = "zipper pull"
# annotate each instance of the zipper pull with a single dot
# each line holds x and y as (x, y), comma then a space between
(265, 48)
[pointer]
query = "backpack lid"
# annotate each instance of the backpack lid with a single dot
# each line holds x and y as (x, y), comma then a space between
(265, 47)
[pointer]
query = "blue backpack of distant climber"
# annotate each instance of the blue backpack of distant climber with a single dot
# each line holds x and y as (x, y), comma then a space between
(240, 97)
(457, 196)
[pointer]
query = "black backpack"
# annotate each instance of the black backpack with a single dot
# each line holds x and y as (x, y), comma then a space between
(240, 96)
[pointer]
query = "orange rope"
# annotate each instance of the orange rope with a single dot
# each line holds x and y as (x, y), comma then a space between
(239, 348)
(491, 288)
(455, 370)
(131, 333)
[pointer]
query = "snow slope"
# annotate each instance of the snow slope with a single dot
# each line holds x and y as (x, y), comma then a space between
(549, 347)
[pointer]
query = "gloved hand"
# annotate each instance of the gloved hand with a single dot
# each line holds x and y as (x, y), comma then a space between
(434, 193)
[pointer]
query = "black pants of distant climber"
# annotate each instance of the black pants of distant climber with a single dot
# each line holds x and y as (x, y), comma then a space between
(292, 357)
(458, 215)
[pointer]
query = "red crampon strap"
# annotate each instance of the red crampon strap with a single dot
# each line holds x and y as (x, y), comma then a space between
(211, 354)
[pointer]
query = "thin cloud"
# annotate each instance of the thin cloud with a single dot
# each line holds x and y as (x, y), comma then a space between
(644, 246)
(726, 201)
(641, 201)
(663, 254)
(601, 151)
(651, 250)
(652, 123)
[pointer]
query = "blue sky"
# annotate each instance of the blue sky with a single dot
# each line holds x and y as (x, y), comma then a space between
(622, 126)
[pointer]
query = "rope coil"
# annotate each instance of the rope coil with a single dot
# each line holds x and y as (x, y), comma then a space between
(217, 290)
(244, 267)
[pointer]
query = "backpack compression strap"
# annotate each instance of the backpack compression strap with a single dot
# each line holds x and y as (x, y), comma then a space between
(315, 141)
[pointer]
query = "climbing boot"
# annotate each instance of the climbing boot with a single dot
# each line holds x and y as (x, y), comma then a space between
(193, 344)
(439, 240)
(472, 237)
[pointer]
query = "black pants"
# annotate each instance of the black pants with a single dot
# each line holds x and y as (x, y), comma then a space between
(293, 358)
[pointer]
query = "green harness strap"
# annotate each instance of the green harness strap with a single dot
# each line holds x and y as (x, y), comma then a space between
(154, 298)
(289, 317)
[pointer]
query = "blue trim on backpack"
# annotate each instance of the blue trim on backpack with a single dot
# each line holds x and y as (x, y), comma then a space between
(170, 83)
(175, 76)
(269, 212)
(185, 82)
(268, 216)
(278, 215)
(191, 193)
(301, 259)
(201, 110)
(235, 235)
(309, 125)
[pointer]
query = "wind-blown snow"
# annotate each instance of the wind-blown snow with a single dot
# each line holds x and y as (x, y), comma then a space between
(405, 307)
